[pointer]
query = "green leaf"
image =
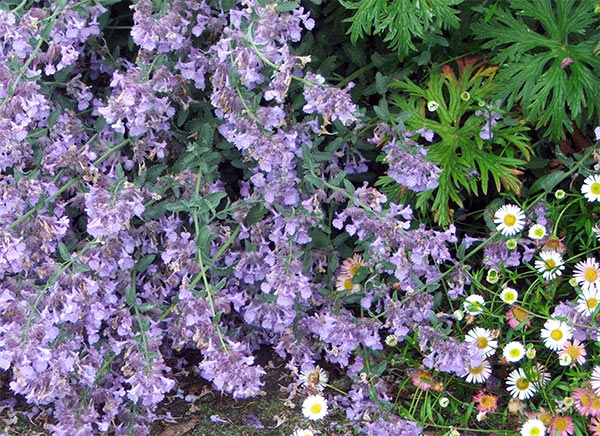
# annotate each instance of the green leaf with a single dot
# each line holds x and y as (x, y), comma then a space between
(378, 369)
(360, 275)
(548, 182)
(130, 295)
(380, 83)
(255, 214)
(349, 187)
(315, 181)
(64, 252)
(143, 264)
(286, 6)
(145, 307)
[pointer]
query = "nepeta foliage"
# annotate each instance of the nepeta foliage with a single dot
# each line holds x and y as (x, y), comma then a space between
(401, 22)
(468, 139)
(173, 191)
(545, 49)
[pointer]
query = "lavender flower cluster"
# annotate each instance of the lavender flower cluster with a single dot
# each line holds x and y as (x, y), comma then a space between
(122, 247)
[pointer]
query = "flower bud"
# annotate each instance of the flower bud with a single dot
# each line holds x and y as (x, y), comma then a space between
(568, 402)
(391, 340)
(432, 105)
(444, 401)
(492, 276)
(565, 360)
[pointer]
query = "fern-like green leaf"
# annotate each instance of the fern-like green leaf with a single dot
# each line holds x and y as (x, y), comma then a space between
(551, 70)
(469, 163)
(400, 21)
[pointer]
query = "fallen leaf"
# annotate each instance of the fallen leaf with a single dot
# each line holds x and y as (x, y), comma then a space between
(180, 429)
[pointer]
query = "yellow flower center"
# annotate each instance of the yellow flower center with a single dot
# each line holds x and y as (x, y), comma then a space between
(545, 417)
(550, 263)
(522, 384)
(539, 232)
(519, 314)
(535, 431)
(509, 296)
(515, 352)
(595, 188)
(560, 424)
(572, 351)
(592, 303)
(476, 370)
(487, 401)
(590, 275)
(482, 342)
(595, 402)
(510, 220)
(348, 285)
(556, 334)
(354, 268)
(315, 408)
(585, 400)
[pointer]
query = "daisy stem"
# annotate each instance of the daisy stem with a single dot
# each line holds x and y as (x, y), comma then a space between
(561, 214)
(327, 385)
(414, 401)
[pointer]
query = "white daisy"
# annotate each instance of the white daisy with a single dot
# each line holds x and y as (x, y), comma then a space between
(509, 295)
(509, 219)
(314, 407)
(551, 265)
(478, 374)
(537, 231)
(533, 427)
(474, 304)
(513, 351)
(519, 386)
(315, 378)
(483, 339)
(555, 333)
(588, 301)
(587, 274)
(596, 379)
(303, 432)
(591, 188)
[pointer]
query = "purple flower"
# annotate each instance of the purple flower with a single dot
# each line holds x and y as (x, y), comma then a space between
(331, 103)
(491, 119)
(407, 161)
(108, 215)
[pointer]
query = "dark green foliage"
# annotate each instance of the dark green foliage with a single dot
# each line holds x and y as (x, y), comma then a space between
(534, 42)
(401, 21)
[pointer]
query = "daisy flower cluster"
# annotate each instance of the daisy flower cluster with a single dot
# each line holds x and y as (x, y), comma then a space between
(551, 322)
